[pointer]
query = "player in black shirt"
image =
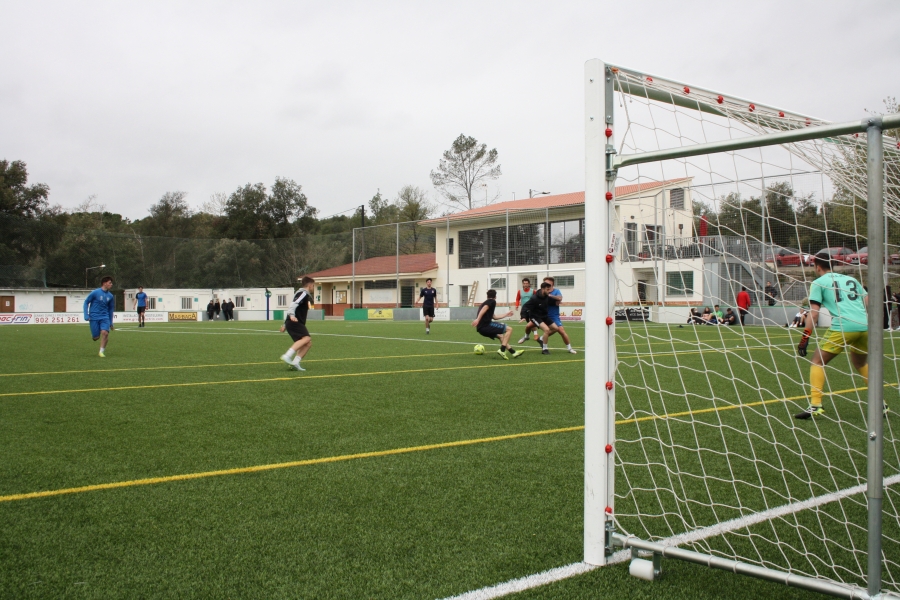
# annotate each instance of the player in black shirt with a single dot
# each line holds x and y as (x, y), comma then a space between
(538, 317)
(428, 297)
(485, 325)
(295, 324)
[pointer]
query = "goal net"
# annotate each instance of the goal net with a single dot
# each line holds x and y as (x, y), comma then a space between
(702, 448)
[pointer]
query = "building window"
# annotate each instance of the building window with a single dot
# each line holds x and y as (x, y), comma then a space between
(565, 281)
(239, 302)
(187, 303)
(282, 299)
(527, 245)
(680, 283)
(567, 241)
(480, 248)
(498, 283)
(381, 284)
(676, 198)
(151, 303)
(449, 245)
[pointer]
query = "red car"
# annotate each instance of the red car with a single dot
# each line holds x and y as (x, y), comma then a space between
(787, 257)
(861, 257)
(838, 255)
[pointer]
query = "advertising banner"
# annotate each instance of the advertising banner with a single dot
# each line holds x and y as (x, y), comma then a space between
(149, 317)
(640, 313)
(440, 314)
(571, 313)
(40, 318)
(182, 316)
(381, 314)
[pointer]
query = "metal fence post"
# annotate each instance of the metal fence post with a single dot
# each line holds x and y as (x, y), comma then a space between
(397, 250)
(353, 271)
(875, 280)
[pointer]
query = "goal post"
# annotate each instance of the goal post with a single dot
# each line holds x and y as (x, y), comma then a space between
(709, 465)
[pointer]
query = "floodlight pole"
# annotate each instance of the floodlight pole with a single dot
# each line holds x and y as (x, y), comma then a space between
(875, 280)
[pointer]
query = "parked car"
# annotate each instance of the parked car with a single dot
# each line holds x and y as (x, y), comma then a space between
(788, 257)
(861, 257)
(838, 255)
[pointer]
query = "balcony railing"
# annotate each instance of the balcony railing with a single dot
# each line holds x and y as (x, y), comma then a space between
(674, 248)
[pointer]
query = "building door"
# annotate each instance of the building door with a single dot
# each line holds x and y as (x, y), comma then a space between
(59, 304)
(7, 304)
(407, 292)
(642, 291)
(463, 295)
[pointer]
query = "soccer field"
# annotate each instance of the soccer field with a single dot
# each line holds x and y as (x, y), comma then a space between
(192, 462)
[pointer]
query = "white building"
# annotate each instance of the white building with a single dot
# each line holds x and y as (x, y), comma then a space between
(249, 303)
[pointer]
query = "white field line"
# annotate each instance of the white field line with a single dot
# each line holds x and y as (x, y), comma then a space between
(558, 574)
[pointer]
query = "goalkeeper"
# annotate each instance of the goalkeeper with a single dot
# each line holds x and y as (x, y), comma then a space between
(846, 300)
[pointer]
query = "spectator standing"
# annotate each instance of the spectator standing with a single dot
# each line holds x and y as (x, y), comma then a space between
(217, 308)
(210, 310)
(771, 293)
(228, 308)
(744, 303)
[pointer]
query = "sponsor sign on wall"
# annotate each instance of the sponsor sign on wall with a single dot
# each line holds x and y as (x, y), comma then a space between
(40, 318)
(182, 316)
(571, 313)
(381, 314)
(149, 317)
(440, 314)
(641, 313)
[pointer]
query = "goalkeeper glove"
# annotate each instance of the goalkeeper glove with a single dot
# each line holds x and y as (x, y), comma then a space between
(804, 342)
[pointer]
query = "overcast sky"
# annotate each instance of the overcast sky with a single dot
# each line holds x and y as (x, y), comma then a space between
(130, 100)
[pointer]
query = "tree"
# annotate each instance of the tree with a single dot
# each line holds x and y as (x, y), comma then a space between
(252, 214)
(383, 211)
(170, 216)
(17, 198)
(463, 166)
(413, 206)
(288, 210)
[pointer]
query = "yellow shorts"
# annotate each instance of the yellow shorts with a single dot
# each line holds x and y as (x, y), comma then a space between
(835, 342)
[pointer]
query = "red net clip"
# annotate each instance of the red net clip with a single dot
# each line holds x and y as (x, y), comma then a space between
(609, 385)
(752, 107)
(609, 258)
(608, 132)
(609, 320)
(609, 448)
(780, 114)
(720, 99)
(609, 510)
(687, 90)
(649, 80)
(609, 195)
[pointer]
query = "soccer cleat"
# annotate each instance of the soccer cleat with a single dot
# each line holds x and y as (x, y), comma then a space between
(809, 413)
(545, 351)
(573, 351)
(502, 353)
(524, 339)
(518, 353)
(296, 366)
(427, 331)
(287, 359)
(102, 353)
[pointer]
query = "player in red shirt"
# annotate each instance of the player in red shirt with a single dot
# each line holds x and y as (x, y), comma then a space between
(743, 302)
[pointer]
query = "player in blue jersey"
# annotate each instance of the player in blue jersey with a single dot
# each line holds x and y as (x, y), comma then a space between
(98, 311)
(556, 299)
(428, 298)
(140, 303)
(846, 300)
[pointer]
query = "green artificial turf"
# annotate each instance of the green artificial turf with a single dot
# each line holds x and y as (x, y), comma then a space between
(177, 399)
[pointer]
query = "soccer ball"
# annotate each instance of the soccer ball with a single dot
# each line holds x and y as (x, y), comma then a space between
(479, 349)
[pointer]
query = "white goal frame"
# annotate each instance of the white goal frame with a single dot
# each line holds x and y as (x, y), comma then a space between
(601, 163)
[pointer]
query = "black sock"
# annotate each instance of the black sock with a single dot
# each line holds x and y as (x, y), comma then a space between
(511, 349)
(502, 348)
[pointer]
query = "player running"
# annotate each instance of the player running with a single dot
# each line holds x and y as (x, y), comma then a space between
(537, 310)
(556, 299)
(428, 298)
(295, 324)
(846, 300)
(140, 303)
(99, 307)
(485, 325)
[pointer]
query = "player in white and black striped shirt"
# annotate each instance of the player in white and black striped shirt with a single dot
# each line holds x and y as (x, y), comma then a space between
(295, 324)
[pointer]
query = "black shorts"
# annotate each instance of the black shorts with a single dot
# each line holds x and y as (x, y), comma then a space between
(493, 331)
(428, 311)
(545, 320)
(525, 314)
(141, 309)
(296, 330)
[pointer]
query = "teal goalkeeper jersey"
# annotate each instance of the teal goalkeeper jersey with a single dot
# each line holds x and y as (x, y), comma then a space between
(843, 296)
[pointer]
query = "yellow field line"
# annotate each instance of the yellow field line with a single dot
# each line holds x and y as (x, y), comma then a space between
(244, 364)
(295, 378)
(379, 453)
(284, 465)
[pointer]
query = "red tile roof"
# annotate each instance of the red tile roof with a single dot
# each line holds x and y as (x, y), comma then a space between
(383, 265)
(558, 200)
